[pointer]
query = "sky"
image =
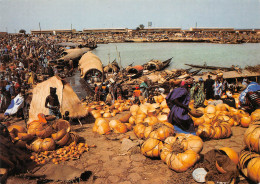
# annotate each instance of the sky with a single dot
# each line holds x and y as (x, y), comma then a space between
(61, 14)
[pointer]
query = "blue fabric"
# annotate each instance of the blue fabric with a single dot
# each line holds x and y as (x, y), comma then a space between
(179, 130)
(253, 86)
(178, 115)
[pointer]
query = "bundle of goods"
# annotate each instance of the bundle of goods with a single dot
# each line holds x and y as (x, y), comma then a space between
(100, 109)
(217, 121)
(179, 152)
(249, 160)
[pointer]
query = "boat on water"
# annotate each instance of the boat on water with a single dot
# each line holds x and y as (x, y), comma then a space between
(112, 68)
(134, 71)
(212, 67)
(91, 69)
(157, 65)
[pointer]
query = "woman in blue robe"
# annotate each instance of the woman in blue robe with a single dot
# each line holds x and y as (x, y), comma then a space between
(178, 101)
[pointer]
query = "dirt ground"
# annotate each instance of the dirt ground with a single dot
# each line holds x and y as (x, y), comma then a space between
(110, 162)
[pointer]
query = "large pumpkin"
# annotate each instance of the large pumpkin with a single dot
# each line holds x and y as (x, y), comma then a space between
(151, 147)
(47, 144)
(249, 164)
(36, 145)
(140, 129)
(160, 131)
(255, 115)
(34, 127)
(252, 137)
(180, 161)
(215, 131)
(45, 132)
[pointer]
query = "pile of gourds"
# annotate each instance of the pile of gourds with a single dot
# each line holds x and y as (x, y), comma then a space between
(217, 121)
(249, 159)
(71, 152)
(44, 134)
(103, 126)
(179, 152)
(100, 109)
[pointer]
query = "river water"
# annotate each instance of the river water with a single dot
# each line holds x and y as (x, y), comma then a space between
(190, 53)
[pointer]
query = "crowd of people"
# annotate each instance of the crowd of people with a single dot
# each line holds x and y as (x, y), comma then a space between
(215, 91)
(26, 60)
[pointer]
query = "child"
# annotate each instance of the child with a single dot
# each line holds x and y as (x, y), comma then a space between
(136, 94)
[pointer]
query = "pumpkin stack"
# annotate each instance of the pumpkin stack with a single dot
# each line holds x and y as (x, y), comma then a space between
(217, 121)
(100, 109)
(249, 159)
(44, 134)
(179, 152)
(150, 120)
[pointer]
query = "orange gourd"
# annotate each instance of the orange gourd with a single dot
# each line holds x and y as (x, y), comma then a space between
(249, 164)
(47, 144)
(180, 162)
(160, 131)
(231, 154)
(251, 137)
(151, 147)
(245, 121)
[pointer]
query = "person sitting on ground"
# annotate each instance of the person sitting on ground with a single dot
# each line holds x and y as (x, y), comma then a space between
(197, 94)
(54, 104)
(230, 101)
(178, 101)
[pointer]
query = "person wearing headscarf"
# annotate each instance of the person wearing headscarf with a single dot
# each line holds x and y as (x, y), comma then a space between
(197, 94)
(178, 102)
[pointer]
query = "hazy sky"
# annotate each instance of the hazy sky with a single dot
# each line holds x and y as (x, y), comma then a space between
(60, 14)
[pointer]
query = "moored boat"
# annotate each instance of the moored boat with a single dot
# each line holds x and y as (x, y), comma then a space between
(157, 65)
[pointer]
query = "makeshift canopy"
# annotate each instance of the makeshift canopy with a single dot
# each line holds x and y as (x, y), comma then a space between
(72, 54)
(90, 63)
(68, 99)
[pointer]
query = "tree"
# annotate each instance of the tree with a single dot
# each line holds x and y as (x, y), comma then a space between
(137, 28)
(22, 31)
(141, 26)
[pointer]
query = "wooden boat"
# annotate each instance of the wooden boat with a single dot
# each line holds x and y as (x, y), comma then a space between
(211, 67)
(195, 72)
(112, 67)
(135, 71)
(157, 65)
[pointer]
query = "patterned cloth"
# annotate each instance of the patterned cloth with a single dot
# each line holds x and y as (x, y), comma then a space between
(179, 116)
(218, 87)
(252, 87)
(197, 93)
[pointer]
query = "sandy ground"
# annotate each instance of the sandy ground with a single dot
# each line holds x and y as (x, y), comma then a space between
(110, 163)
